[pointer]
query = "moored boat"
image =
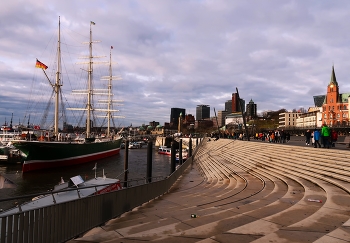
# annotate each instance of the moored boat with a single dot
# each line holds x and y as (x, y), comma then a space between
(164, 150)
(46, 154)
(73, 189)
(50, 154)
(184, 155)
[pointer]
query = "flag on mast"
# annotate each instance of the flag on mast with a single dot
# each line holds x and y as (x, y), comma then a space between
(40, 65)
(92, 22)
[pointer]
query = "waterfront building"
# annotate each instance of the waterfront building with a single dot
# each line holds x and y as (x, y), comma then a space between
(228, 106)
(215, 121)
(288, 119)
(204, 123)
(237, 103)
(222, 117)
(174, 116)
(188, 119)
(154, 123)
(312, 119)
(251, 110)
(202, 112)
(335, 105)
(234, 119)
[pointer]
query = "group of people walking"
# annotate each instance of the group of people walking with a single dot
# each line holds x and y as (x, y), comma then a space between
(277, 136)
(327, 137)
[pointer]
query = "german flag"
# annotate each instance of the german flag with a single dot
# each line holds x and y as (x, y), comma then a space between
(40, 65)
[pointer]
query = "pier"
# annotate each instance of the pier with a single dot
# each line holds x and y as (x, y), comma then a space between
(240, 191)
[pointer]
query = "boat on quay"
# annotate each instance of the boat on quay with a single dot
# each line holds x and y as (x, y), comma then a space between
(46, 154)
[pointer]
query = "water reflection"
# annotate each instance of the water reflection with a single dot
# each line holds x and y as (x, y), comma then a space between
(41, 181)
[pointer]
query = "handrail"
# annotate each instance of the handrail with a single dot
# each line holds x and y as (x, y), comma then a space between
(64, 221)
(155, 178)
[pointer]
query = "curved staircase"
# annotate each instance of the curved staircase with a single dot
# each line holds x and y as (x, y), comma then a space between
(240, 191)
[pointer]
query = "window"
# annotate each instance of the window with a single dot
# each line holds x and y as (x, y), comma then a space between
(338, 115)
(325, 116)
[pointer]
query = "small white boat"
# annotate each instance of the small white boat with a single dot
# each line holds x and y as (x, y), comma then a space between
(184, 155)
(95, 186)
(164, 150)
(134, 145)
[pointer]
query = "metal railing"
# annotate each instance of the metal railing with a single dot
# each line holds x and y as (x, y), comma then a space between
(64, 221)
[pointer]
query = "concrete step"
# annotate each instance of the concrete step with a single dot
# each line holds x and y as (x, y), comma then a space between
(245, 192)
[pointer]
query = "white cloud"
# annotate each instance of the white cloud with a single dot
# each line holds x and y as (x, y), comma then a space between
(177, 53)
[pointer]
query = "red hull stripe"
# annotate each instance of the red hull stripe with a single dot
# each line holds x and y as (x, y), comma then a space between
(39, 165)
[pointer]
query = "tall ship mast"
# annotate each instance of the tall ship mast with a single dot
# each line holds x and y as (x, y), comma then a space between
(110, 111)
(51, 154)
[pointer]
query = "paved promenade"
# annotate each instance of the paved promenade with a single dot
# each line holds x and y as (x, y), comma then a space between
(240, 191)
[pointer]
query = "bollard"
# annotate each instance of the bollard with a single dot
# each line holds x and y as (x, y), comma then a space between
(180, 152)
(126, 163)
(172, 158)
(149, 162)
(196, 142)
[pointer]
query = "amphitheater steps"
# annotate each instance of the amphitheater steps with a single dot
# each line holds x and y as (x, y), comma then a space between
(246, 192)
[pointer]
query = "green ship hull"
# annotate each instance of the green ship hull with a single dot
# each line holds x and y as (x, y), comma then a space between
(45, 155)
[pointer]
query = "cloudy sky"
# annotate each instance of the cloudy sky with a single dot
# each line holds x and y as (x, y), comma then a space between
(174, 53)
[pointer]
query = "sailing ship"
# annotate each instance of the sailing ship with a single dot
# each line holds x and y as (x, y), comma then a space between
(52, 154)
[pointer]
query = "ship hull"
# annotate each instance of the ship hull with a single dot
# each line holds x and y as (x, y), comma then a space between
(46, 155)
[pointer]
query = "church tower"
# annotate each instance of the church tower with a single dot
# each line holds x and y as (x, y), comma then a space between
(332, 90)
(332, 103)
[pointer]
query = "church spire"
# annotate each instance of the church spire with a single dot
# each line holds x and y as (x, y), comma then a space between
(333, 78)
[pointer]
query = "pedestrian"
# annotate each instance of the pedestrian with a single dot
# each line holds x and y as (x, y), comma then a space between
(283, 136)
(308, 137)
(317, 136)
(334, 137)
(288, 137)
(272, 137)
(277, 136)
(325, 133)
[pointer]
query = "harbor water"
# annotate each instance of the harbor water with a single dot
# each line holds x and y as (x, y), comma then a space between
(42, 181)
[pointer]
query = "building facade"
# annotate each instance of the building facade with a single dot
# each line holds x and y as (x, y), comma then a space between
(288, 119)
(228, 106)
(234, 119)
(251, 110)
(237, 103)
(335, 105)
(312, 119)
(174, 116)
(222, 117)
(189, 119)
(202, 112)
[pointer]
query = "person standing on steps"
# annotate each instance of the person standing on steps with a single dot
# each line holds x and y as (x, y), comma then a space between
(317, 136)
(325, 133)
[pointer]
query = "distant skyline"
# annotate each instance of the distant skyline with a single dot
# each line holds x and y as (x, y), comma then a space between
(176, 53)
